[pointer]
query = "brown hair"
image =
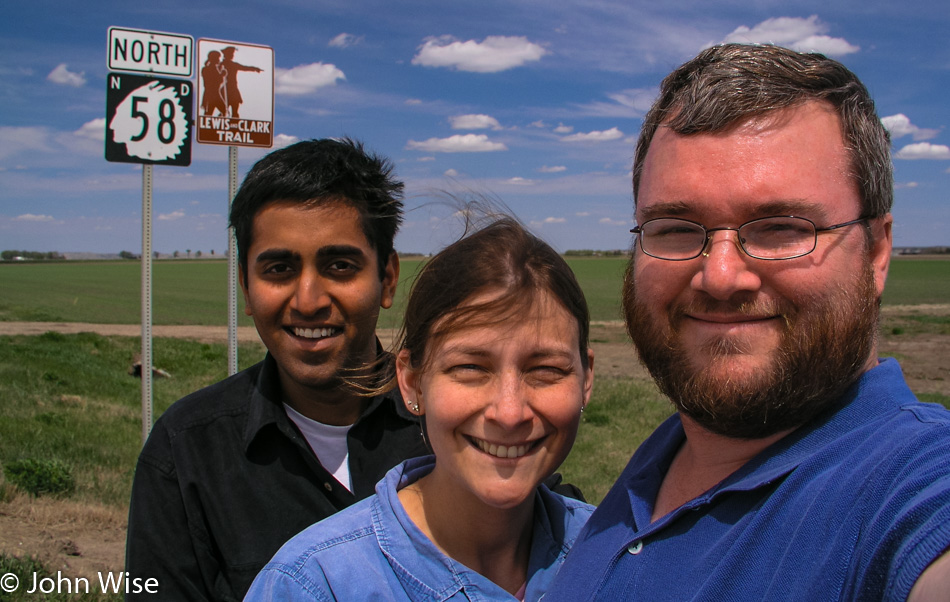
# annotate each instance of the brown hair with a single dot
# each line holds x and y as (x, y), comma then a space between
(732, 83)
(501, 256)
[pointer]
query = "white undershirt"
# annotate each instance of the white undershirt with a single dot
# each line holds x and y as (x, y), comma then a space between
(330, 440)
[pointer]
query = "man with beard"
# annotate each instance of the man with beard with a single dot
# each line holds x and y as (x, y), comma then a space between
(231, 472)
(799, 465)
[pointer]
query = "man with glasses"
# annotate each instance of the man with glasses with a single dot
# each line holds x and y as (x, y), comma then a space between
(799, 465)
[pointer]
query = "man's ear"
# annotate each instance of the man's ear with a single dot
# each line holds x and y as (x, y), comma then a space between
(409, 384)
(882, 244)
(242, 278)
(390, 280)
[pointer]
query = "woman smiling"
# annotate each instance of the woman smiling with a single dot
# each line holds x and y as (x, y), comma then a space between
(494, 357)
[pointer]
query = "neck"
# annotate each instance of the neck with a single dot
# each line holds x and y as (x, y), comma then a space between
(334, 405)
(704, 460)
(495, 542)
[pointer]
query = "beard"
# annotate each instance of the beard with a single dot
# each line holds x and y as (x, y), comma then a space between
(824, 346)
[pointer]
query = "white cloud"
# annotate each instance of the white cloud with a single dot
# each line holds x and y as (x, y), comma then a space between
(474, 122)
(62, 75)
(563, 129)
(467, 143)
(630, 103)
(344, 40)
(595, 136)
(17, 139)
(906, 185)
(552, 169)
(451, 173)
(282, 140)
(170, 217)
(413, 101)
(305, 79)
(493, 54)
(805, 35)
(607, 221)
(554, 220)
(519, 181)
(582, 213)
(924, 150)
(94, 130)
(538, 124)
(29, 217)
(899, 125)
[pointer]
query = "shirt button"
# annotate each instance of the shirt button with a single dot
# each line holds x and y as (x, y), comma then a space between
(635, 548)
(328, 486)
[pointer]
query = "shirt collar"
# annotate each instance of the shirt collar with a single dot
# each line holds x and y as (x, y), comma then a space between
(875, 391)
(266, 404)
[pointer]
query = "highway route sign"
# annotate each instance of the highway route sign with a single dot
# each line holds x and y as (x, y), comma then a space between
(148, 120)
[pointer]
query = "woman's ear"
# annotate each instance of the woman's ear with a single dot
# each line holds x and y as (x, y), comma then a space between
(408, 379)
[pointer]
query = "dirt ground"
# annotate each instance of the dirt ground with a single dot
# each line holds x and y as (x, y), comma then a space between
(82, 540)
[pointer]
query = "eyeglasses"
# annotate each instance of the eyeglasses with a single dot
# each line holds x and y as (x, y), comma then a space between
(770, 238)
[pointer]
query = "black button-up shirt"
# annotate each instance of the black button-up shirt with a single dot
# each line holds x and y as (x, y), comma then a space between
(226, 478)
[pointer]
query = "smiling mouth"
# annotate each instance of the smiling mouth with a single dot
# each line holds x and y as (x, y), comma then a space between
(316, 333)
(503, 451)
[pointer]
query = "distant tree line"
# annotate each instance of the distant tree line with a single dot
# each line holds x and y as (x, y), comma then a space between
(11, 255)
(593, 253)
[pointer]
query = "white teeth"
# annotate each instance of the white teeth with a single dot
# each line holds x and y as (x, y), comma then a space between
(314, 333)
(502, 451)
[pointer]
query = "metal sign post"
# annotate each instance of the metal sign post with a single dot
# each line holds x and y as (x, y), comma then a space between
(232, 266)
(148, 121)
(146, 301)
(236, 108)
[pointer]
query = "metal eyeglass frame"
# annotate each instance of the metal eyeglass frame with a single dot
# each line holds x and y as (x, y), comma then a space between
(638, 230)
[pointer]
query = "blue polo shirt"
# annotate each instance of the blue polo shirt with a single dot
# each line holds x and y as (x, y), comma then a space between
(853, 506)
(373, 551)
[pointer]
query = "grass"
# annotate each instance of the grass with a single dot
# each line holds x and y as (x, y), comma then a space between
(195, 291)
(621, 414)
(70, 399)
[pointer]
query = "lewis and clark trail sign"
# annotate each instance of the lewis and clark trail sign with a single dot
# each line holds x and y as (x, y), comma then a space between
(235, 94)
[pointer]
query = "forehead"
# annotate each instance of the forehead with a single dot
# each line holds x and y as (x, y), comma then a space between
(495, 319)
(794, 158)
(300, 226)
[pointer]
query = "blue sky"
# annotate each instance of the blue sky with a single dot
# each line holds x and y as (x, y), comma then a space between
(535, 102)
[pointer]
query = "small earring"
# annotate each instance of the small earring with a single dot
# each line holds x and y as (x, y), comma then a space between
(705, 254)
(582, 409)
(414, 406)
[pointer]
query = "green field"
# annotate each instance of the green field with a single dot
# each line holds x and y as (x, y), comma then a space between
(195, 292)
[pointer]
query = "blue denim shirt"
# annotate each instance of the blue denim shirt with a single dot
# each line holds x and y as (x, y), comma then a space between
(373, 550)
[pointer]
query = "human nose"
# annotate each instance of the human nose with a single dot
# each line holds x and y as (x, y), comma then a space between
(510, 406)
(310, 295)
(725, 268)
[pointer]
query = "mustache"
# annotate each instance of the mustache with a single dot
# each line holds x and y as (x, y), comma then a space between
(758, 308)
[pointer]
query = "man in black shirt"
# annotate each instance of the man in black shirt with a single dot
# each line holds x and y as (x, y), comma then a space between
(229, 473)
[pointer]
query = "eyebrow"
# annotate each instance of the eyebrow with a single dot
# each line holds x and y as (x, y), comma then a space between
(276, 255)
(339, 251)
(796, 207)
(322, 253)
(479, 352)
